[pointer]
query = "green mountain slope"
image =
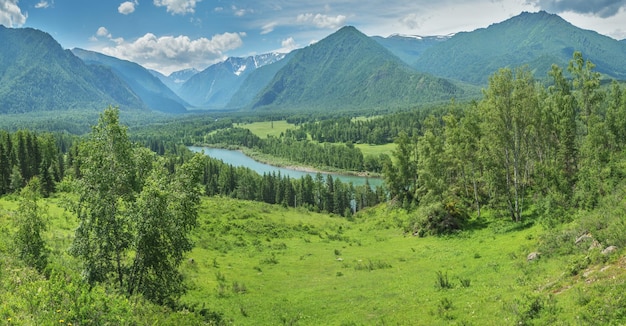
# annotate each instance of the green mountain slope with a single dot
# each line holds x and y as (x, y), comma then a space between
(149, 88)
(409, 48)
(348, 70)
(36, 74)
(534, 39)
(256, 82)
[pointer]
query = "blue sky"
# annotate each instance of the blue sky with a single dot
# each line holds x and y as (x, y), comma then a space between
(169, 35)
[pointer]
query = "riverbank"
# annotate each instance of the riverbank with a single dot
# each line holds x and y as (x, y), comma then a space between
(287, 164)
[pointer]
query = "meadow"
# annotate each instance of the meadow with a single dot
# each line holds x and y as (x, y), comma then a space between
(260, 264)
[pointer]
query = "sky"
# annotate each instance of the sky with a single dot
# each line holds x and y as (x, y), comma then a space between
(170, 35)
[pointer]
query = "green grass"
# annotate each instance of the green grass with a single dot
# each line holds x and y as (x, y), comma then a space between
(376, 150)
(268, 128)
(259, 264)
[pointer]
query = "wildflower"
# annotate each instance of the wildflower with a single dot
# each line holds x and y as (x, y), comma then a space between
(61, 321)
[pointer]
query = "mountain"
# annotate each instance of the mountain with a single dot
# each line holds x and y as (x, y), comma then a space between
(348, 70)
(409, 47)
(256, 82)
(214, 87)
(37, 74)
(175, 80)
(149, 88)
(534, 39)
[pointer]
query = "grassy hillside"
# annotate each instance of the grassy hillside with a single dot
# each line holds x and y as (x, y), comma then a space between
(257, 264)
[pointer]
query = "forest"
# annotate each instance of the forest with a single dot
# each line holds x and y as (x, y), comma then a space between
(135, 209)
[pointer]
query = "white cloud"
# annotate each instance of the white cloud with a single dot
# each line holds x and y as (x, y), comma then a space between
(10, 14)
(43, 4)
(127, 7)
(288, 45)
(180, 7)
(321, 21)
(168, 53)
(103, 32)
(268, 28)
(240, 12)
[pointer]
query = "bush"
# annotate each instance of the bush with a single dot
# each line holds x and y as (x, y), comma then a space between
(439, 219)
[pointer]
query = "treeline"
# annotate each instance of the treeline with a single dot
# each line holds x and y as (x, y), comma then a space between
(25, 154)
(294, 148)
(557, 147)
(320, 193)
(374, 130)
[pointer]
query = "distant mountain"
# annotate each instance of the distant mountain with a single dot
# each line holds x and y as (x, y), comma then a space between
(348, 70)
(534, 39)
(37, 74)
(176, 79)
(256, 82)
(214, 87)
(149, 88)
(409, 47)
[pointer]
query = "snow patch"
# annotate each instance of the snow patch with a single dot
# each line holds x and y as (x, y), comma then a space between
(240, 70)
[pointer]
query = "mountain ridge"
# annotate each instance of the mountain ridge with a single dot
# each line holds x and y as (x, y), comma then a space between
(156, 95)
(534, 39)
(336, 73)
(215, 86)
(37, 74)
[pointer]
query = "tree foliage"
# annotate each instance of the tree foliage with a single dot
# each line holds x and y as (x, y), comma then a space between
(31, 223)
(558, 146)
(134, 220)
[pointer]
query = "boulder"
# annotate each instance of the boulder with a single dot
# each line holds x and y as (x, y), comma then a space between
(609, 250)
(533, 256)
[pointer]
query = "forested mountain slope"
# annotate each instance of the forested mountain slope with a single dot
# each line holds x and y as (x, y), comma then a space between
(350, 70)
(149, 88)
(534, 39)
(36, 74)
(214, 87)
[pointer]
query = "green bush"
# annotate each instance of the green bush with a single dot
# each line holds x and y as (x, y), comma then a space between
(439, 219)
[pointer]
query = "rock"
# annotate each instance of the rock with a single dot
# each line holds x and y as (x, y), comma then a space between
(533, 256)
(609, 250)
(583, 237)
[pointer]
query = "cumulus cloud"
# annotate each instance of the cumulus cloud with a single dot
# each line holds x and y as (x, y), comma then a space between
(601, 8)
(288, 45)
(127, 7)
(169, 53)
(10, 14)
(321, 21)
(180, 7)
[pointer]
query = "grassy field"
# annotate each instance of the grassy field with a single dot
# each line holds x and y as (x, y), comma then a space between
(376, 150)
(266, 265)
(268, 128)
(258, 264)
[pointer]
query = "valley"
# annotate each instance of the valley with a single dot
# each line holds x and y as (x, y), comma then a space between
(476, 178)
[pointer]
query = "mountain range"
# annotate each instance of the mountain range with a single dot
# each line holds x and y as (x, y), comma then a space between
(150, 89)
(347, 69)
(214, 87)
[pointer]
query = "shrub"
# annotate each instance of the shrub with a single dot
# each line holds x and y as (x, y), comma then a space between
(439, 219)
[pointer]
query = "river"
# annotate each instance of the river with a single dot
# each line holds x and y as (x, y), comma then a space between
(237, 158)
